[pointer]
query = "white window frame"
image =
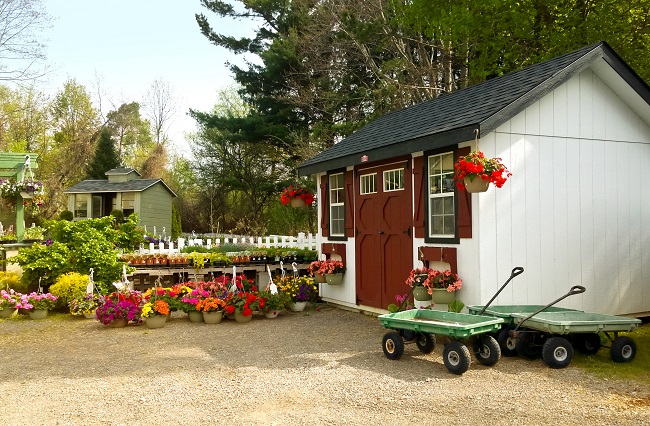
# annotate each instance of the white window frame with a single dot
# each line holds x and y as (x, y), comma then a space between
(431, 196)
(80, 199)
(384, 182)
(362, 187)
(341, 203)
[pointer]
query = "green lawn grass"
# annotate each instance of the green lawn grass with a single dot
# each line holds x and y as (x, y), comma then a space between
(602, 365)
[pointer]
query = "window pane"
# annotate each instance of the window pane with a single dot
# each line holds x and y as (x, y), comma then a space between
(393, 180)
(97, 206)
(81, 206)
(337, 205)
(338, 220)
(368, 184)
(449, 225)
(442, 218)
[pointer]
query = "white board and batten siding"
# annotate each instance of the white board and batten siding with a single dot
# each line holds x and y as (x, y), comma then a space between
(576, 210)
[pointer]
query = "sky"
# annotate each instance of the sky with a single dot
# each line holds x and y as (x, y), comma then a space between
(128, 44)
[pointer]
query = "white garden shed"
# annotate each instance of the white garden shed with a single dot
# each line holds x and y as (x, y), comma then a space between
(575, 133)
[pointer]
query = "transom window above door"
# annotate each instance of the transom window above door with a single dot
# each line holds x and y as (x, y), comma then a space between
(442, 215)
(368, 184)
(393, 180)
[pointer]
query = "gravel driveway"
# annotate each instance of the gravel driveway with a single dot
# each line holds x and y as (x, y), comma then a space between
(315, 368)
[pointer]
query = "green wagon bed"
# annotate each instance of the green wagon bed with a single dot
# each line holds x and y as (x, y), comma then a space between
(450, 324)
(576, 322)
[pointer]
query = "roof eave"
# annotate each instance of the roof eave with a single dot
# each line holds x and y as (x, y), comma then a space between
(424, 143)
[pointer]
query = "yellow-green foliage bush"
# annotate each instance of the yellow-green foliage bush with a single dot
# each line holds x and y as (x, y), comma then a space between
(12, 280)
(68, 287)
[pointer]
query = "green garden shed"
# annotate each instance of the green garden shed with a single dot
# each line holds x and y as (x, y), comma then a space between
(125, 190)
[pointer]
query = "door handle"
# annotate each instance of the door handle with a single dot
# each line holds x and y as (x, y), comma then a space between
(381, 232)
(407, 232)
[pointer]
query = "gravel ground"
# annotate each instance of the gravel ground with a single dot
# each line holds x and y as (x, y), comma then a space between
(312, 368)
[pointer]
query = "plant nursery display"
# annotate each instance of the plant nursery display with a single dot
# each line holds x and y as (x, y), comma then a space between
(120, 307)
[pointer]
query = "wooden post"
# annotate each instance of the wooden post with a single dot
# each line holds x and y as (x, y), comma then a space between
(12, 164)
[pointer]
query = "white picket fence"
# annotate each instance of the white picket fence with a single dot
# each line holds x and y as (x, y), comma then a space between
(302, 241)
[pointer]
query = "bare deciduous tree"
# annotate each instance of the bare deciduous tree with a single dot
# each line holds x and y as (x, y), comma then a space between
(160, 106)
(21, 47)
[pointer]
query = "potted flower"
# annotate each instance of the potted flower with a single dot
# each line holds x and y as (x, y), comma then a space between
(333, 271)
(189, 300)
(313, 269)
(155, 311)
(442, 285)
(29, 187)
(297, 197)
(212, 309)
(474, 172)
(299, 291)
(85, 305)
(8, 300)
(272, 304)
(39, 304)
(119, 308)
(241, 304)
(418, 280)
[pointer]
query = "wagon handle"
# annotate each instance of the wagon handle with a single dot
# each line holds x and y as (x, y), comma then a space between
(576, 289)
(517, 270)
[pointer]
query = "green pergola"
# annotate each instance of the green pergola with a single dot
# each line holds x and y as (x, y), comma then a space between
(12, 165)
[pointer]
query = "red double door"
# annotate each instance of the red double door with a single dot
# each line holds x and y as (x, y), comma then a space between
(384, 242)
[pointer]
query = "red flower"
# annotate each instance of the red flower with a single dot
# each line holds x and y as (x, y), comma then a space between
(247, 311)
(477, 166)
(291, 192)
(230, 309)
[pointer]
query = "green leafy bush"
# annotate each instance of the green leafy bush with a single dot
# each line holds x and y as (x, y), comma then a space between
(11, 280)
(77, 247)
(118, 215)
(66, 215)
(68, 287)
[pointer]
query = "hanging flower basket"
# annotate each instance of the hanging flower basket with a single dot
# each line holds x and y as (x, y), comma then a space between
(474, 172)
(297, 197)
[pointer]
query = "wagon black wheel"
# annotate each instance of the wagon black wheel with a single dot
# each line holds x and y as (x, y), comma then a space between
(557, 352)
(487, 350)
(587, 343)
(623, 349)
(507, 343)
(525, 346)
(425, 342)
(456, 356)
(393, 345)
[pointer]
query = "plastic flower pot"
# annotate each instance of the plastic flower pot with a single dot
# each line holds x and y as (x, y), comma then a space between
(476, 185)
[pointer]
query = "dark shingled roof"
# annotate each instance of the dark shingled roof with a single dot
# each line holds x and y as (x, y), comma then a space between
(97, 186)
(121, 171)
(451, 118)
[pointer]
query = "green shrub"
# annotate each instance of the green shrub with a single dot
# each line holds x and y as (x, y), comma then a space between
(12, 280)
(66, 215)
(68, 287)
(118, 215)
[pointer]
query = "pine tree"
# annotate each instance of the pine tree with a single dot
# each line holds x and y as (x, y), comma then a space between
(105, 157)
